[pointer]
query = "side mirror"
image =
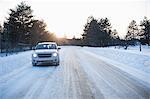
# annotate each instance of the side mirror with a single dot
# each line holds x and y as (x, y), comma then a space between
(33, 48)
(59, 48)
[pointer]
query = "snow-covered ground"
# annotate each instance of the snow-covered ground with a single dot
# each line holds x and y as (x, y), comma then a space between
(15, 61)
(84, 73)
(131, 57)
(131, 61)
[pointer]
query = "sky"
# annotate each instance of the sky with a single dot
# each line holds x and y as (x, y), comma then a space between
(68, 17)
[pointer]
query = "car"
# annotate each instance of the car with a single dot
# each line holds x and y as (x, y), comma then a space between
(46, 53)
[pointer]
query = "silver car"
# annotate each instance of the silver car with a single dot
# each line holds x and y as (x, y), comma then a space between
(44, 53)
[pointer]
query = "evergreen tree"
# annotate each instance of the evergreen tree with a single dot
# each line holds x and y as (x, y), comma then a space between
(91, 30)
(133, 31)
(97, 33)
(18, 25)
(105, 25)
(115, 40)
(105, 34)
(1, 29)
(39, 33)
(145, 26)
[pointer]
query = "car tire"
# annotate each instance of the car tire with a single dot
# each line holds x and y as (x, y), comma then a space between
(57, 64)
(34, 64)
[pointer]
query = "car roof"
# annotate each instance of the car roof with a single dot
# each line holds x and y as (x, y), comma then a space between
(47, 43)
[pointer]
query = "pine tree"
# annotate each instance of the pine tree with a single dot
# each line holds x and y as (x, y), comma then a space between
(104, 25)
(115, 40)
(97, 33)
(18, 25)
(1, 29)
(133, 31)
(105, 34)
(39, 33)
(91, 31)
(145, 30)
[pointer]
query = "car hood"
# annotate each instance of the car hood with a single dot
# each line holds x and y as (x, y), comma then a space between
(45, 51)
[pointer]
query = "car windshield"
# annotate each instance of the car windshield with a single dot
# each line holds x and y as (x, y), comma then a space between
(46, 46)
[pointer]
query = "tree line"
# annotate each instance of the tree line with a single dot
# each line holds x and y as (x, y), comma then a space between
(98, 32)
(21, 29)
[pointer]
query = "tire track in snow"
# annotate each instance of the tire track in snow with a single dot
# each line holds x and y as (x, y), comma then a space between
(11, 63)
(75, 81)
(38, 86)
(121, 84)
(17, 87)
(13, 74)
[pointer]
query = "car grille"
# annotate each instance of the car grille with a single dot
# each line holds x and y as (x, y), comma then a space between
(44, 55)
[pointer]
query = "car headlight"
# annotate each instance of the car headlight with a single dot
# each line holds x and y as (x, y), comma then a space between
(54, 54)
(34, 55)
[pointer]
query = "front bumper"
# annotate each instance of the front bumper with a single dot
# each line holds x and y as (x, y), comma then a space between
(45, 60)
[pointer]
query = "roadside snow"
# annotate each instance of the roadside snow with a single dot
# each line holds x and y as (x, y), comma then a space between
(131, 61)
(131, 58)
(10, 63)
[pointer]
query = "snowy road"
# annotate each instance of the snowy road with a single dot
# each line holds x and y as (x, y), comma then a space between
(80, 75)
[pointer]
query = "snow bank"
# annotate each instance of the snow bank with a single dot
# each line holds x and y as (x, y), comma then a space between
(133, 58)
(10, 63)
(132, 61)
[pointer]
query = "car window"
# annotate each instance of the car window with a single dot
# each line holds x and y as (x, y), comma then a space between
(46, 46)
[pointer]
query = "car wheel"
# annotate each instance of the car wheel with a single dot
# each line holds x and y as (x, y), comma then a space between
(34, 64)
(57, 64)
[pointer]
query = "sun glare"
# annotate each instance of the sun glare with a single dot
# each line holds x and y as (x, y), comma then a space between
(58, 35)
